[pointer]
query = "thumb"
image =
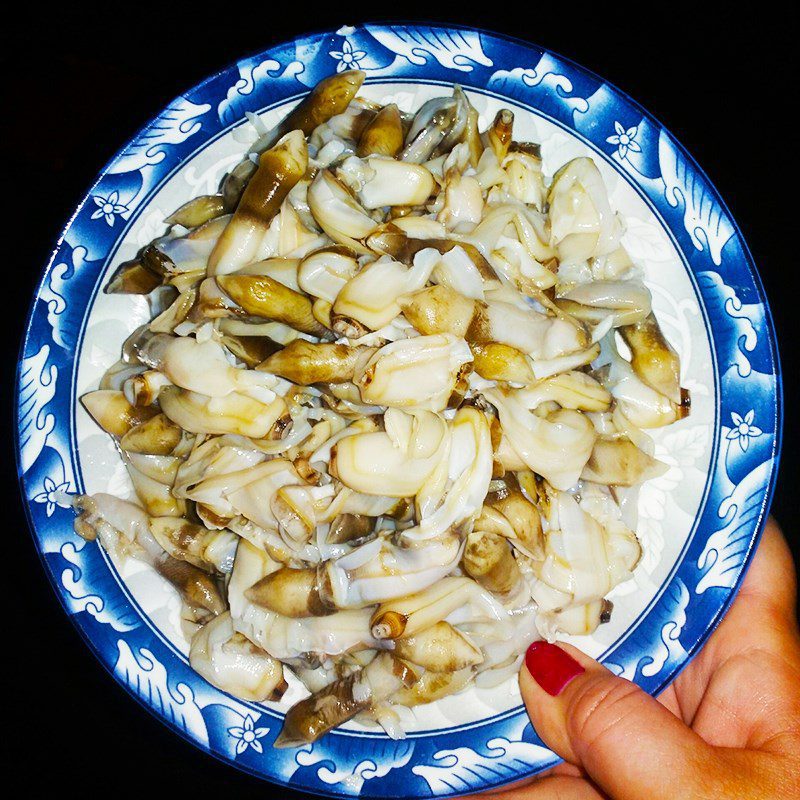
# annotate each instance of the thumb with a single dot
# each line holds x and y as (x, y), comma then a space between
(625, 740)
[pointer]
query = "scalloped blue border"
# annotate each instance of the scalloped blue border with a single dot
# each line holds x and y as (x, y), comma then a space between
(693, 599)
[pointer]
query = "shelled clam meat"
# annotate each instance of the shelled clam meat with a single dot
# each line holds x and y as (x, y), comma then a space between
(387, 422)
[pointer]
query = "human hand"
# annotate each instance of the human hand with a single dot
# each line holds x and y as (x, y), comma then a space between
(728, 726)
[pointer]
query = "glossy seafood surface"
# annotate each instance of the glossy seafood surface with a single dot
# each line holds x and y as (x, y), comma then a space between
(388, 421)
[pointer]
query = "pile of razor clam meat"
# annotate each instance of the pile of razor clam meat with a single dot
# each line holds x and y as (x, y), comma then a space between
(386, 425)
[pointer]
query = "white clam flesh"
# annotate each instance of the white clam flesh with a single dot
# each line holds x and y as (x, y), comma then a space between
(387, 424)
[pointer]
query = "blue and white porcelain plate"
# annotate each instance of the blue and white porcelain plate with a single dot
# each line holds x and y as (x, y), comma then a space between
(699, 523)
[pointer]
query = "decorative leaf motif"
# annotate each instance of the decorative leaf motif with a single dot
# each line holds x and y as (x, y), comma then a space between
(703, 217)
(175, 125)
(73, 270)
(349, 769)
(464, 769)
(453, 49)
(147, 677)
(645, 241)
(687, 444)
(84, 591)
(734, 323)
(545, 80)
(675, 601)
(252, 73)
(37, 387)
(723, 555)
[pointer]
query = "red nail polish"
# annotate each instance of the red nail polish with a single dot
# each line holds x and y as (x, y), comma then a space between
(551, 667)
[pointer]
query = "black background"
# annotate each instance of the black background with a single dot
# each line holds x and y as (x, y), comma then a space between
(78, 84)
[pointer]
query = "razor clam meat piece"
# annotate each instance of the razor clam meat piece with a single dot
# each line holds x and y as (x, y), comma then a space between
(156, 436)
(524, 179)
(152, 481)
(174, 314)
(289, 638)
(653, 359)
(439, 309)
(416, 557)
(404, 238)
(501, 362)
(233, 413)
(345, 399)
(124, 531)
(500, 133)
(638, 401)
(625, 302)
(572, 389)
(214, 458)
(409, 615)
(489, 560)
(508, 512)
(507, 457)
(307, 362)
(420, 373)
(265, 297)
(250, 492)
(208, 550)
(368, 505)
(545, 367)
(472, 137)
(203, 367)
(620, 462)
(282, 269)
(313, 717)
(439, 123)
(582, 223)
(395, 183)
(369, 300)
(291, 235)
(133, 277)
(433, 686)
(456, 270)
(338, 213)
(231, 662)
(440, 648)
(197, 211)
(330, 97)
(556, 447)
(462, 207)
(526, 224)
(583, 560)
(456, 491)
(279, 169)
(348, 527)
(395, 462)
(144, 388)
(324, 272)
(383, 134)
(251, 350)
(299, 509)
(113, 413)
(388, 567)
(250, 564)
(293, 593)
(188, 255)
(579, 620)
(512, 259)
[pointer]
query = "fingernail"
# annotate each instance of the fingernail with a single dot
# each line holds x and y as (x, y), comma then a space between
(551, 667)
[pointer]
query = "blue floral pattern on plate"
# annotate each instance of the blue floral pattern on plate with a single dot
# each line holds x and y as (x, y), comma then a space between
(503, 748)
